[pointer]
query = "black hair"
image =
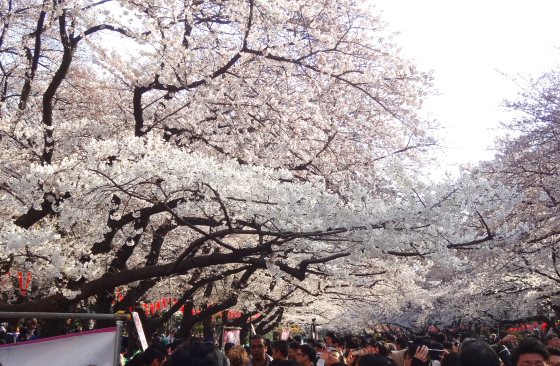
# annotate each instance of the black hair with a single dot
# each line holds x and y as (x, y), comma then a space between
(529, 345)
(290, 363)
(440, 337)
(338, 341)
(372, 359)
(411, 351)
(258, 336)
(469, 334)
(294, 345)
(401, 341)
(553, 351)
(309, 351)
(450, 359)
(281, 346)
(436, 355)
(477, 353)
(382, 348)
(154, 352)
(197, 354)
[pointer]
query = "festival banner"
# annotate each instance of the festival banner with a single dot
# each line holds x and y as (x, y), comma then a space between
(92, 348)
(232, 336)
(140, 330)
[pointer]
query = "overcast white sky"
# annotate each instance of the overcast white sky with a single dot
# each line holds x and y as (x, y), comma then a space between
(468, 44)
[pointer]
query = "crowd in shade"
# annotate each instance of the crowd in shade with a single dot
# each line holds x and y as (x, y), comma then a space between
(466, 349)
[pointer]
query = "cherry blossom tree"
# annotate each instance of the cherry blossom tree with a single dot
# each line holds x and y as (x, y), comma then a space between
(197, 145)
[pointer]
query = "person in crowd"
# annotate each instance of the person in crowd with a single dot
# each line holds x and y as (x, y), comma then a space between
(227, 347)
(373, 359)
(337, 343)
(280, 350)
(198, 354)
(329, 339)
(294, 347)
(238, 356)
(474, 352)
(398, 355)
(268, 343)
(334, 356)
(10, 336)
(306, 355)
(436, 353)
(554, 359)
(23, 335)
(530, 352)
(417, 354)
(258, 348)
(552, 340)
(154, 355)
(450, 359)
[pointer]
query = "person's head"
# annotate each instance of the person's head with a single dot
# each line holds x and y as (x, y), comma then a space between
(306, 355)
(552, 340)
(237, 356)
(401, 343)
(372, 359)
(227, 347)
(197, 354)
(530, 352)
(280, 349)
(154, 355)
(450, 359)
(329, 339)
(294, 346)
(337, 343)
(381, 348)
(334, 357)
(469, 334)
(554, 359)
(440, 338)
(258, 347)
(475, 352)
(410, 352)
(436, 355)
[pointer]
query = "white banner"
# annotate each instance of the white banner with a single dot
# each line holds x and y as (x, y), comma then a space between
(139, 330)
(92, 348)
(232, 336)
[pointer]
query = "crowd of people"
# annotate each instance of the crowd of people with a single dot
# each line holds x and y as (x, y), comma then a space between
(434, 350)
(437, 349)
(10, 334)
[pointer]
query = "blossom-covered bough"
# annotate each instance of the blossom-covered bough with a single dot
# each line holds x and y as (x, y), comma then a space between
(210, 149)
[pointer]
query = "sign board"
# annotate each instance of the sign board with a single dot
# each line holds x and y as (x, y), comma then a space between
(92, 348)
(140, 330)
